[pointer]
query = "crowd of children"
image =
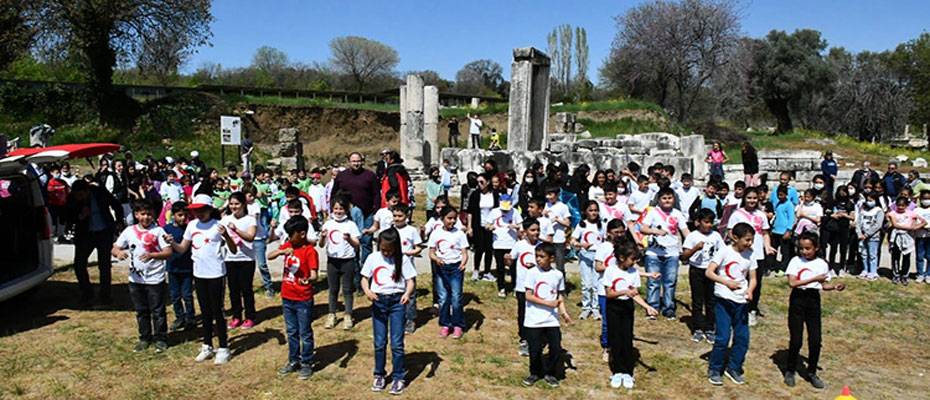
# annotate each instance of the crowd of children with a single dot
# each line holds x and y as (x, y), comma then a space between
(621, 226)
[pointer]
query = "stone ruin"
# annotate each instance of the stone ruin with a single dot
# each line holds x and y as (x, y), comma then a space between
(528, 119)
(419, 124)
(288, 151)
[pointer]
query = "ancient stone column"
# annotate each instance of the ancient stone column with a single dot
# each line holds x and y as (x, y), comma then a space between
(411, 134)
(528, 123)
(431, 125)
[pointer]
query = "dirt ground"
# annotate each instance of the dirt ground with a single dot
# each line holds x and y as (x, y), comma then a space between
(873, 341)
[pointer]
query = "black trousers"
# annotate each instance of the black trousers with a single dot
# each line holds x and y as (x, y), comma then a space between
(454, 140)
(786, 248)
(340, 269)
(757, 292)
(239, 276)
(702, 300)
(483, 240)
(434, 275)
(537, 338)
(502, 270)
(149, 302)
(900, 262)
(210, 297)
(84, 244)
(804, 309)
(521, 314)
(620, 335)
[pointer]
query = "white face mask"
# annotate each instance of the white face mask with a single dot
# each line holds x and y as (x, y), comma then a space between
(925, 203)
(528, 180)
(851, 191)
(870, 204)
(818, 186)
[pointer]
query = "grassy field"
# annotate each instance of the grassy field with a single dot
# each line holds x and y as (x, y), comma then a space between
(873, 341)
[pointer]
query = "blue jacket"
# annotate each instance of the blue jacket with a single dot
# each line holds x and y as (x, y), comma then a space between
(828, 168)
(784, 217)
(792, 195)
(178, 263)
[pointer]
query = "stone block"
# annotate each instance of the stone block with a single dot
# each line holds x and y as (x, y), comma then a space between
(794, 164)
(766, 164)
(622, 137)
(692, 146)
(588, 143)
(919, 162)
(659, 152)
(583, 134)
(562, 137)
(288, 135)
(790, 154)
(561, 147)
(286, 149)
(663, 141)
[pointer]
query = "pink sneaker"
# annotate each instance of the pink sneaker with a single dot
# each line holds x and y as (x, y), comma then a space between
(234, 323)
(444, 331)
(457, 333)
(247, 324)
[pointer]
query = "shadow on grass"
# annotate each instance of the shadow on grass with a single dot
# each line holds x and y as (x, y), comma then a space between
(419, 361)
(243, 342)
(474, 319)
(35, 308)
(780, 359)
(331, 353)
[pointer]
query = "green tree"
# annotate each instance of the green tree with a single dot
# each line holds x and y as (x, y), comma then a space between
(362, 60)
(785, 69)
(911, 61)
(15, 34)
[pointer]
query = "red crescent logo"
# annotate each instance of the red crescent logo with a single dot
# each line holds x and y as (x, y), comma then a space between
(538, 285)
(801, 272)
(523, 262)
(726, 269)
(613, 285)
(499, 222)
(198, 243)
(337, 239)
(608, 260)
(439, 246)
(374, 274)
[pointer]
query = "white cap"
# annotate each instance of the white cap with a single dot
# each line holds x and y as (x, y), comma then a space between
(195, 154)
(201, 201)
(169, 160)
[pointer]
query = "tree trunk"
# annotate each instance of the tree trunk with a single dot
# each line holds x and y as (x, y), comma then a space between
(779, 109)
(101, 58)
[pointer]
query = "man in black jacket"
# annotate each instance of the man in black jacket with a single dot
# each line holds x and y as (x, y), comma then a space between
(89, 208)
(863, 175)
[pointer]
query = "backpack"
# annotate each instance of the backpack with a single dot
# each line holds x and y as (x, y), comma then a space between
(57, 192)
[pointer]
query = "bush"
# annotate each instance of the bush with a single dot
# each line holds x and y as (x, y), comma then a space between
(53, 104)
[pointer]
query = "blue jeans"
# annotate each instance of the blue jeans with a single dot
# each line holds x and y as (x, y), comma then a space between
(362, 222)
(923, 256)
(261, 261)
(868, 252)
(589, 281)
(297, 318)
(181, 290)
(733, 317)
(602, 303)
(668, 267)
(450, 296)
(411, 308)
(387, 314)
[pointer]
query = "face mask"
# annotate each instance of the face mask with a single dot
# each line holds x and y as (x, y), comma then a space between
(339, 218)
(818, 186)
(925, 203)
(852, 191)
(528, 180)
(870, 204)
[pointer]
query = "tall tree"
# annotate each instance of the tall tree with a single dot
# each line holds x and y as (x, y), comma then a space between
(911, 63)
(480, 77)
(269, 59)
(15, 34)
(581, 54)
(785, 69)
(103, 33)
(678, 44)
(565, 57)
(362, 59)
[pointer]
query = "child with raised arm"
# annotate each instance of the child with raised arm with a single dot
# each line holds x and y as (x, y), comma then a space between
(734, 274)
(545, 302)
(148, 250)
(701, 246)
(621, 288)
(301, 263)
(807, 276)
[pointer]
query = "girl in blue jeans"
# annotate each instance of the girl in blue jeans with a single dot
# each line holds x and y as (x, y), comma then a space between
(448, 248)
(389, 283)
(586, 237)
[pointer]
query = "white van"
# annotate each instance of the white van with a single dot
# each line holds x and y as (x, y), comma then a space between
(25, 230)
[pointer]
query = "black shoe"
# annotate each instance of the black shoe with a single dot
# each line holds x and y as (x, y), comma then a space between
(177, 325)
(552, 381)
(288, 368)
(160, 346)
(734, 376)
(789, 379)
(141, 346)
(714, 378)
(305, 372)
(398, 387)
(816, 382)
(410, 327)
(190, 325)
(530, 380)
(378, 384)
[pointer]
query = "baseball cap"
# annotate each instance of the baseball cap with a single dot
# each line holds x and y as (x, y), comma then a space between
(506, 202)
(195, 154)
(200, 201)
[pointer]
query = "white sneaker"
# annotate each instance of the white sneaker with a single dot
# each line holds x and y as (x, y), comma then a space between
(489, 278)
(475, 276)
(752, 318)
(920, 279)
(502, 293)
(628, 381)
(616, 380)
(222, 356)
(206, 351)
(863, 275)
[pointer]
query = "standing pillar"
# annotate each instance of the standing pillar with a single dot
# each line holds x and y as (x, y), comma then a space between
(528, 120)
(431, 125)
(411, 134)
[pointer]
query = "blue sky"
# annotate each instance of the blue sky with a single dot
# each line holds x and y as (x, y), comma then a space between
(445, 35)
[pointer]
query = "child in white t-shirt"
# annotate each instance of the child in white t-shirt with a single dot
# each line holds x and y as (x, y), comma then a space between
(448, 248)
(384, 218)
(388, 281)
(535, 209)
(206, 237)
(604, 258)
(560, 215)
(411, 246)
(240, 266)
(621, 289)
(340, 236)
(586, 237)
(700, 247)
(521, 259)
(808, 214)
(807, 276)
(733, 271)
(545, 295)
(666, 225)
(435, 222)
(147, 250)
(505, 228)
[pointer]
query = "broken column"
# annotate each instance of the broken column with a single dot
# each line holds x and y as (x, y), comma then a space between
(528, 121)
(288, 149)
(419, 123)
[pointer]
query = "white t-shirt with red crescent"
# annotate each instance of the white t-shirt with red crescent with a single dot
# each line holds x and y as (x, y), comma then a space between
(557, 210)
(244, 249)
(206, 248)
(504, 235)
(409, 240)
(759, 222)
(448, 244)
(803, 269)
(672, 222)
(139, 241)
(735, 266)
(619, 279)
(523, 255)
(618, 210)
(336, 244)
(605, 254)
(380, 273)
(546, 285)
(713, 243)
(590, 234)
